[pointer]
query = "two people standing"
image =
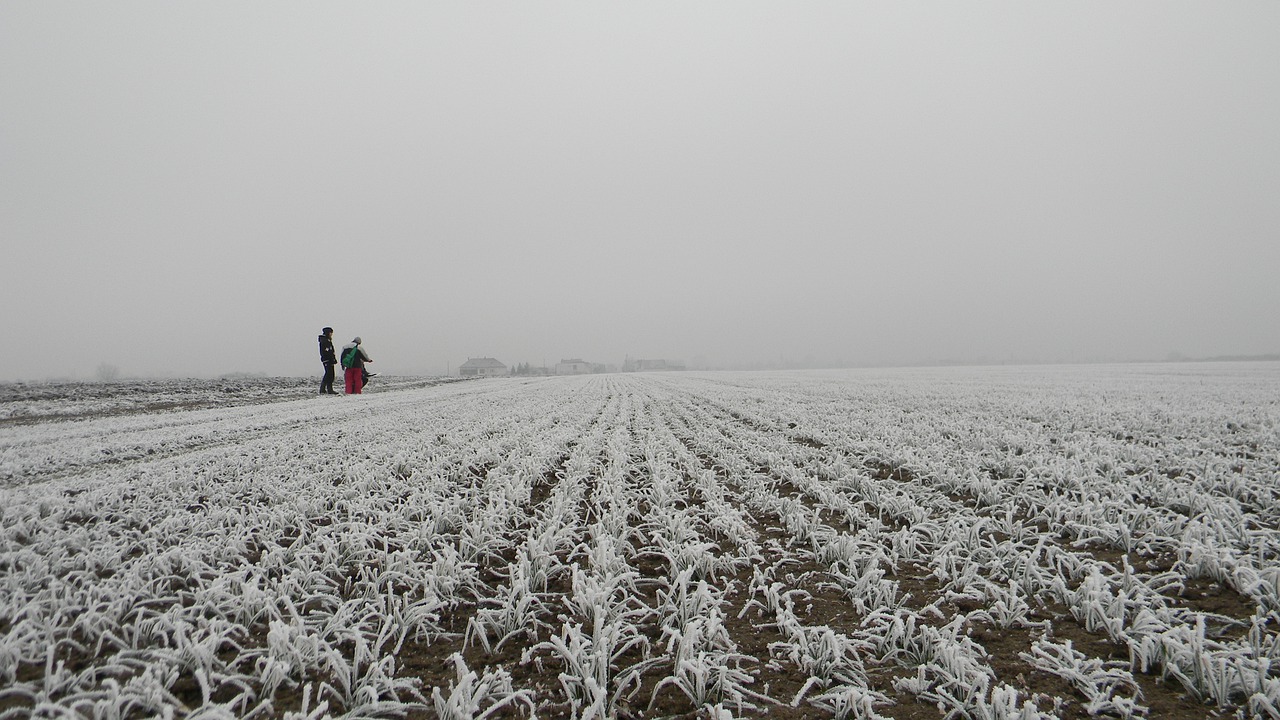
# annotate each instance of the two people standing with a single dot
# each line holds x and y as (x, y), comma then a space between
(353, 359)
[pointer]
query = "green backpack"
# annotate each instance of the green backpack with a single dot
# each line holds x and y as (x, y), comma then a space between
(349, 356)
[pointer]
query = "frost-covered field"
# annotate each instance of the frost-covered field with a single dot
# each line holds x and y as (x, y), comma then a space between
(1056, 542)
(39, 402)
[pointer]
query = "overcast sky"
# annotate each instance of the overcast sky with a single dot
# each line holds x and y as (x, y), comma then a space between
(198, 188)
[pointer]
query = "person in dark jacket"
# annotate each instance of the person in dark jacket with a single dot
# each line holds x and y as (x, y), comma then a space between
(330, 359)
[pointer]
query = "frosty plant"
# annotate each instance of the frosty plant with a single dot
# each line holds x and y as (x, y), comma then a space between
(1109, 688)
(851, 702)
(706, 667)
(475, 697)
(589, 678)
(517, 612)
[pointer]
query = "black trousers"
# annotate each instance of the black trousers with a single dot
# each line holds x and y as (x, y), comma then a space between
(326, 384)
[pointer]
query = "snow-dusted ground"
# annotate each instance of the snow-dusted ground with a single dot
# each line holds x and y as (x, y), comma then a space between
(38, 402)
(1002, 542)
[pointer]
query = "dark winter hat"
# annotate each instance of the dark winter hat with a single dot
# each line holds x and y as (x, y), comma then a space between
(326, 331)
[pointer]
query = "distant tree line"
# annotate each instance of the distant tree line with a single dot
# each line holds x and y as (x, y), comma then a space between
(527, 369)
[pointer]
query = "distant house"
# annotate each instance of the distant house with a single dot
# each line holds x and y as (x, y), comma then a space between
(482, 367)
(574, 367)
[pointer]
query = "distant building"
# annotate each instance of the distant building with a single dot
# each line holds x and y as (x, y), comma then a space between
(574, 367)
(482, 367)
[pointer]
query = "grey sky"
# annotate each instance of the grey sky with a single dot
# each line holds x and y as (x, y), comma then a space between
(199, 188)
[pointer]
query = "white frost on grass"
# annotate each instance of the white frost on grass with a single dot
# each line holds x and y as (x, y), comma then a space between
(280, 559)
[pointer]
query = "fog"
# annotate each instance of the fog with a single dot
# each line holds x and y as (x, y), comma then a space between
(197, 189)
